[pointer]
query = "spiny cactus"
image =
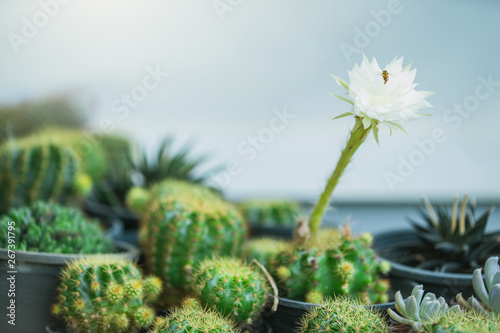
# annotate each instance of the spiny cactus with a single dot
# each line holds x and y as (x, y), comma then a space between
(342, 314)
(37, 169)
(270, 212)
(330, 266)
(231, 287)
(265, 250)
(87, 148)
(489, 293)
(193, 319)
(419, 310)
(460, 322)
(181, 225)
(457, 237)
(105, 294)
(47, 227)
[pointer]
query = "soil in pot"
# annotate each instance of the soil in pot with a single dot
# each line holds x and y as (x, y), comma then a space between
(36, 280)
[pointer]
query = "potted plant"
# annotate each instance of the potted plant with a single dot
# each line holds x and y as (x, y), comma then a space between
(105, 294)
(181, 224)
(312, 268)
(270, 217)
(39, 240)
(443, 251)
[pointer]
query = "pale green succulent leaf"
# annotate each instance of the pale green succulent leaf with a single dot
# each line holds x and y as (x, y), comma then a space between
(495, 298)
(490, 269)
(479, 287)
(400, 302)
(412, 308)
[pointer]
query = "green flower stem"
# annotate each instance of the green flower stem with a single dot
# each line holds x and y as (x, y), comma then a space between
(358, 135)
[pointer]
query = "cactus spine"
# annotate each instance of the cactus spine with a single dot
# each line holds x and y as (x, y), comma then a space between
(33, 170)
(46, 227)
(341, 314)
(231, 287)
(183, 224)
(105, 294)
(193, 319)
(331, 266)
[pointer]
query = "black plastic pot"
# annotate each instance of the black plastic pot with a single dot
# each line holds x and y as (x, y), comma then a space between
(395, 246)
(98, 210)
(35, 284)
(287, 317)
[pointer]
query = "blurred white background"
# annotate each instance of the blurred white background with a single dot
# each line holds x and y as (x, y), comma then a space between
(232, 62)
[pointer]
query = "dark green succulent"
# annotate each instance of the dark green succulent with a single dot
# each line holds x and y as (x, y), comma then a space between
(47, 227)
(457, 238)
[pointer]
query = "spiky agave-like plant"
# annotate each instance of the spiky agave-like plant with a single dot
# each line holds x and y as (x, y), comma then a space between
(105, 294)
(341, 314)
(193, 319)
(457, 238)
(231, 287)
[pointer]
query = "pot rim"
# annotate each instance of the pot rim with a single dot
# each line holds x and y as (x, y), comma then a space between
(127, 251)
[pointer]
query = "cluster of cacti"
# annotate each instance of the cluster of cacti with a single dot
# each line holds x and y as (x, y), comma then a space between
(231, 287)
(39, 169)
(193, 319)
(86, 147)
(342, 314)
(265, 250)
(330, 266)
(456, 238)
(105, 294)
(270, 212)
(488, 291)
(47, 227)
(182, 224)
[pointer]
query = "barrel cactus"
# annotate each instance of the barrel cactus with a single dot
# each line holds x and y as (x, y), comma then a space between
(193, 319)
(231, 287)
(48, 227)
(105, 294)
(332, 266)
(34, 169)
(265, 250)
(342, 314)
(270, 212)
(182, 224)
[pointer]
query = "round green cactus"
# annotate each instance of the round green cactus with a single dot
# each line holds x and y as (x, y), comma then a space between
(231, 287)
(463, 322)
(265, 250)
(105, 294)
(34, 169)
(329, 266)
(47, 227)
(183, 224)
(342, 314)
(270, 212)
(193, 319)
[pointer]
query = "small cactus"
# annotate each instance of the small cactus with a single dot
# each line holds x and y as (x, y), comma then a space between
(193, 319)
(231, 287)
(270, 212)
(487, 290)
(264, 250)
(419, 310)
(181, 225)
(342, 314)
(463, 322)
(34, 169)
(105, 294)
(47, 227)
(332, 265)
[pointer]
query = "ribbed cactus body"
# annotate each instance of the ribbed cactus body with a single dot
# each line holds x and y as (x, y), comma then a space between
(193, 319)
(342, 315)
(231, 287)
(340, 267)
(105, 295)
(183, 224)
(47, 227)
(33, 170)
(270, 212)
